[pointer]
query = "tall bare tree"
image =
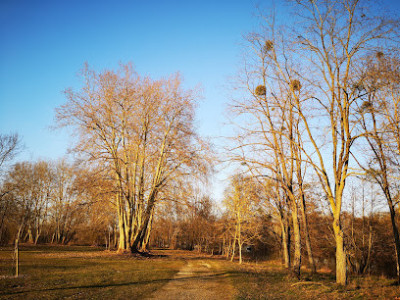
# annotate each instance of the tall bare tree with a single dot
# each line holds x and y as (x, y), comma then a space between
(271, 144)
(318, 60)
(142, 130)
(380, 105)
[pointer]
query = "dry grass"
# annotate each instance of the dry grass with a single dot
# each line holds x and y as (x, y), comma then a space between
(270, 281)
(82, 273)
(90, 273)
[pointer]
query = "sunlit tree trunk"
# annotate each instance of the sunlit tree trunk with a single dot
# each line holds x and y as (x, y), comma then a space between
(297, 241)
(16, 250)
(285, 231)
(234, 244)
(307, 235)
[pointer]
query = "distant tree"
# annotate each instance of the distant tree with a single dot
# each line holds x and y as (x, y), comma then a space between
(21, 181)
(42, 186)
(241, 201)
(10, 145)
(96, 194)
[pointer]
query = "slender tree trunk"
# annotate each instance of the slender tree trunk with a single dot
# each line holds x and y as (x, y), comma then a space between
(109, 238)
(368, 260)
(37, 236)
(286, 243)
(240, 242)
(228, 251)
(297, 243)
(234, 244)
(307, 235)
(16, 250)
(396, 240)
(115, 239)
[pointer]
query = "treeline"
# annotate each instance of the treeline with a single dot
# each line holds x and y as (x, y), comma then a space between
(56, 202)
(62, 203)
(200, 225)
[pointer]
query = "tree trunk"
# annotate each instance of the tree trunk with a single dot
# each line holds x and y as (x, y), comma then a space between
(148, 233)
(240, 242)
(368, 260)
(341, 267)
(16, 250)
(37, 235)
(297, 243)
(17, 256)
(122, 241)
(396, 240)
(240, 245)
(228, 251)
(234, 245)
(141, 233)
(286, 243)
(307, 236)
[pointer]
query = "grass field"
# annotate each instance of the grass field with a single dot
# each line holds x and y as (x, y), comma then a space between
(82, 273)
(53, 272)
(269, 281)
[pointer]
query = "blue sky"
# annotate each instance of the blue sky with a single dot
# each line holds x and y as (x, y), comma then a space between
(45, 43)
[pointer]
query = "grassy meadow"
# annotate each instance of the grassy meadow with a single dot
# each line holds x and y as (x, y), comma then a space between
(78, 272)
(82, 273)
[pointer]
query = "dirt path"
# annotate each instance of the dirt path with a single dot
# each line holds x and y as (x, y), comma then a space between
(196, 280)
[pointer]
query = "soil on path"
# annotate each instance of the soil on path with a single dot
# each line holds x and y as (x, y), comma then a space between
(196, 280)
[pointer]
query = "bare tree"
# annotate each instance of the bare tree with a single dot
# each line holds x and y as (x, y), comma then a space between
(10, 145)
(318, 61)
(64, 202)
(379, 108)
(241, 202)
(271, 145)
(142, 130)
(20, 179)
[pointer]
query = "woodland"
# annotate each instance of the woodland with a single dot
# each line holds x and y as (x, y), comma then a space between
(314, 157)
